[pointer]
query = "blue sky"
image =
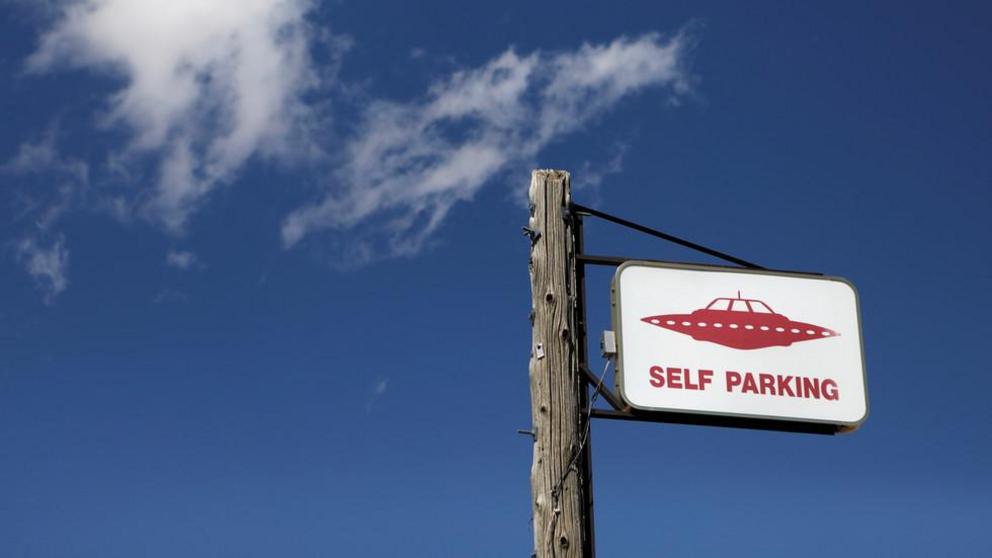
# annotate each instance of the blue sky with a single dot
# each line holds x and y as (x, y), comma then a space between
(263, 290)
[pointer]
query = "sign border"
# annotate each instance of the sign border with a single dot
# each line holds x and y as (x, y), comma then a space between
(618, 323)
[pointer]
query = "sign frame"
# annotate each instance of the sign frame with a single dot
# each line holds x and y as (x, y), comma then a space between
(708, 417)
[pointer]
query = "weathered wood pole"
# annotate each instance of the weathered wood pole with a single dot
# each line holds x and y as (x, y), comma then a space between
(555, 379)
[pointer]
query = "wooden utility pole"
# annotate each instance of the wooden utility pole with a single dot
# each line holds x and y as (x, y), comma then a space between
(561, 528)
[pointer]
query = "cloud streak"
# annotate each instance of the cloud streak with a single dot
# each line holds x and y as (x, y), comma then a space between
(376, 393)
(51, 185)
(58, 181)
(47, 265)
(410, 162)
(207, 85)
(181, 259)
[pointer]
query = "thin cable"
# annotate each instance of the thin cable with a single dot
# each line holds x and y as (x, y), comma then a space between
(556, 492)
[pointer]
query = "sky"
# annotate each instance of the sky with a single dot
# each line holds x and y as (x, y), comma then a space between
(264, 292)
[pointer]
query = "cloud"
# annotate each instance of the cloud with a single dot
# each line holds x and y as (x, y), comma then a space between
(167, 295)
(44, 186)
(591, 176)
(380, 387)
(410, 162)
(60, 180)
(46, 265)
(181, 259)
(377, 392)
(206, 86)
(43, 157)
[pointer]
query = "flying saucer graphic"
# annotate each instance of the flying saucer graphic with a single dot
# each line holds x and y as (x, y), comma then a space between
(741, 323)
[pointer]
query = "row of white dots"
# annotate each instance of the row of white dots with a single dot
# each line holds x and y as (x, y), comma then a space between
(746, 326)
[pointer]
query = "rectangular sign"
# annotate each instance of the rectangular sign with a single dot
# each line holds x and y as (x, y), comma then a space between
(740, 343)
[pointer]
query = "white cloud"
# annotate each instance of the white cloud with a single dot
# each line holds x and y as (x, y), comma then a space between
(409, 163)
(47, 265)
(45, 184)
(56, 181)
(43, 157)
(182, 259)
(376, 393)
(167, 296)
(380, 387)
(207, 85)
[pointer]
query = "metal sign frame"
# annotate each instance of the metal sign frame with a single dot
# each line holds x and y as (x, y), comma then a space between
(618, 409)
(619, 365)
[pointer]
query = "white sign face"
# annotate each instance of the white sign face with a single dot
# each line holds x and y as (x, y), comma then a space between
(741, 343)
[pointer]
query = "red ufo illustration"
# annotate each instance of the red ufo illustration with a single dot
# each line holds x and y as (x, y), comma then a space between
(740, 323)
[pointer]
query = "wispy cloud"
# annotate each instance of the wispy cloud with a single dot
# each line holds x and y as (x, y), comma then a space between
(168, 295)
(64, 179)
(42, 156)
(47, 265)
(43, 185)
(591, 175)
(380, 387)
(182, 259)
(410, 162)
(207, 85)
(377, 392)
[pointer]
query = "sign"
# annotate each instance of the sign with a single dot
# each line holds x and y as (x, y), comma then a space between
(739, 343)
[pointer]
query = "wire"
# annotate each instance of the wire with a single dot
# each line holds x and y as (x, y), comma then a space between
(556, 492)
(585, 433)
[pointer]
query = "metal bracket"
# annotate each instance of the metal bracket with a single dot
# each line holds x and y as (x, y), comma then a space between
(603, 391)
(533, 234)
(714, 420)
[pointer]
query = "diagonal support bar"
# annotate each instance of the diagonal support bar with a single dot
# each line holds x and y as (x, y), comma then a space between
(581, 209)
(604, 391)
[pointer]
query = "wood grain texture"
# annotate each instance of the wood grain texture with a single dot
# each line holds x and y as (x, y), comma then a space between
(554, 372)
